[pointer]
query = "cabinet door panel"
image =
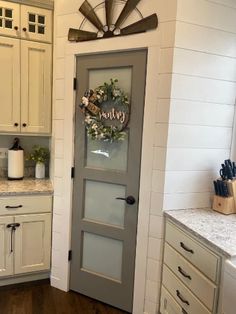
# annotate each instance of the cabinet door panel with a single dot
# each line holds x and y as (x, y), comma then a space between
(9, 84)
(36, 23)
(32, 243)
(6, 256)
(9, 19)
(168, 304)
(35, 87)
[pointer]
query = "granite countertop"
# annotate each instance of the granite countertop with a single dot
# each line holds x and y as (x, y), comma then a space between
(215, 229)
(25, 187)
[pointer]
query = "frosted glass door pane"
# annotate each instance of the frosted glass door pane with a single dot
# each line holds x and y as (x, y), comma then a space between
(123, 75)
(101, 204)
(106, 155)
(102, 255)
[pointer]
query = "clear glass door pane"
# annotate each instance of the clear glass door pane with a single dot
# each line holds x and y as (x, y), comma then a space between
(106, 155)
(101, 204)
(102, 255)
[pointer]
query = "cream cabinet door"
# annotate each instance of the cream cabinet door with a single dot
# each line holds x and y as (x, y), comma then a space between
(32, 243)
(9, 19)
(36, 24)
(9, 84)
(6, 255)
(35, 87)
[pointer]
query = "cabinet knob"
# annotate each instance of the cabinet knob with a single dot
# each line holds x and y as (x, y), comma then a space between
(16, 124)
(16, 28)
(24, 125)
(24, 29)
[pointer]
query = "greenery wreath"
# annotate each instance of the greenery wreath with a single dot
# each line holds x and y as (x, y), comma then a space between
(101, 124)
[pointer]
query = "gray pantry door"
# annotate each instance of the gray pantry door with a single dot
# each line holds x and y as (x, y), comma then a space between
(104, 227)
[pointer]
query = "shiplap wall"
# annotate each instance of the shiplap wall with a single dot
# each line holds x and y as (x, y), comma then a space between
(192, 69)
(202, 101)
(195, 108)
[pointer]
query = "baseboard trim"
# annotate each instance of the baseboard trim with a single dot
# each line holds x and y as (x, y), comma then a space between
(23, 278)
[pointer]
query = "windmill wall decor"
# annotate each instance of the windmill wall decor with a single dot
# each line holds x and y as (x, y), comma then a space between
(111, 29)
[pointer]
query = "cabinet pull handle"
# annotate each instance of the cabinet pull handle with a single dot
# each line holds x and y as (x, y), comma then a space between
(24, 125)
(181, 298)
(16, 124)
(24, 29)
(13, 207)
(13, 227)
(16, 28)
(186, 248)
(183, 273)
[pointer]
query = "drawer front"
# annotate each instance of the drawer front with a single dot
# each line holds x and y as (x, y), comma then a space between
(202, 287)
(25, 205)
(182, 294)
(168, 304)
(193, 251)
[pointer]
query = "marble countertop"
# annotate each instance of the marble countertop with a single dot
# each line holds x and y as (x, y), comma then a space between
(215, 229)
(25, 187)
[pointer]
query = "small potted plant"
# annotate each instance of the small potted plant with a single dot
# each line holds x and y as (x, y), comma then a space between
(40, 155)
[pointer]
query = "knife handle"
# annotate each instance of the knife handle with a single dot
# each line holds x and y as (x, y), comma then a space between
(220, 188)
(225, 189)
(216, 188)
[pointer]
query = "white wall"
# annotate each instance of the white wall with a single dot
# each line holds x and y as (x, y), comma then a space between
(190, 88)
(202, 100)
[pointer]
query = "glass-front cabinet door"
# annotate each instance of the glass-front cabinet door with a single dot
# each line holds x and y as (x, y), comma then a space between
(9, 19)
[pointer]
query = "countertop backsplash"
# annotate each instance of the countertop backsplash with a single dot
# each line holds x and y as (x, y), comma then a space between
(27, 142)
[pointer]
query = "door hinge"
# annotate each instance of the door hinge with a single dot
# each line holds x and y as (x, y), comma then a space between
(70, 255)
(72, 172)
(75, 83)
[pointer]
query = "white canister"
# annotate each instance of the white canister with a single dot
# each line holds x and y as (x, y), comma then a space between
(15, 164)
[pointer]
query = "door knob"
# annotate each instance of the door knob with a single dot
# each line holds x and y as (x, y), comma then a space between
(130, 200)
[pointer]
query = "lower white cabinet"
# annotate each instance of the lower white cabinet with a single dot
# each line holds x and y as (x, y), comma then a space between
(25, 239)
(191, 274)
(6, 256)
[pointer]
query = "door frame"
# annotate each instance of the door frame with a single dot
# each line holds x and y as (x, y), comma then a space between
(65, 209)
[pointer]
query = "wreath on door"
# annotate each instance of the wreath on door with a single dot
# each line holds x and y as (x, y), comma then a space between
(106, 110)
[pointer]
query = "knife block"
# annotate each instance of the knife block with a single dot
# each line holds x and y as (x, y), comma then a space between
(224, 205)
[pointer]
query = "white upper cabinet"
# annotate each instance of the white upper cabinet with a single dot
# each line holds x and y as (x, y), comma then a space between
(9, 19)
(36, 24)
(25, 22)
(35, 87)
(9, 84)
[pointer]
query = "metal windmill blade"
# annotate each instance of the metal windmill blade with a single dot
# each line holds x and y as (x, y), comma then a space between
(88, 12)
(148, 23)
(108, 8)
(79, 35)
(128, 8)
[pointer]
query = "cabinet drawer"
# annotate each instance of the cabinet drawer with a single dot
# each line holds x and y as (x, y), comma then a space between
(168, 304)
(193, 251)
(182, 294)
(202, 287)
(25, 205)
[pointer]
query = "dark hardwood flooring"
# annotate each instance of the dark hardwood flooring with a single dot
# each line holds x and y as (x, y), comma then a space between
(40, 298)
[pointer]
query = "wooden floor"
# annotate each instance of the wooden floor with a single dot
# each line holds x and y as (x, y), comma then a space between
(41, 298)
